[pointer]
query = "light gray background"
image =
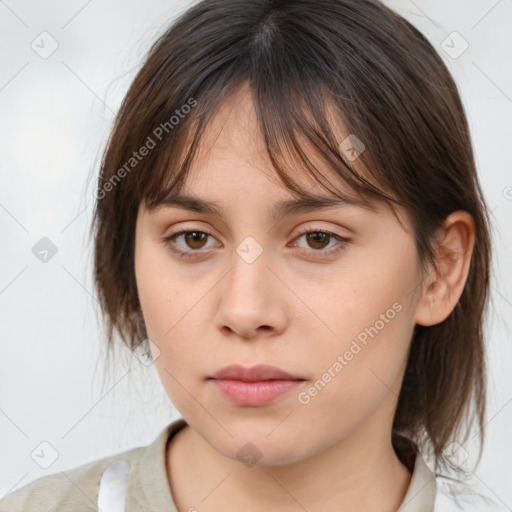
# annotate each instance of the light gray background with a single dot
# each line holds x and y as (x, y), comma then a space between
(55, 116)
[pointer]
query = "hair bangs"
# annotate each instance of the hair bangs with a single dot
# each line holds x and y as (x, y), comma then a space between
(301, 130)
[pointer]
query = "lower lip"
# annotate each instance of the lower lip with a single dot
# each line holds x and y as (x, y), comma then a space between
(254, 394)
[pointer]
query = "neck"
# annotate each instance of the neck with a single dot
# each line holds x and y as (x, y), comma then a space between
(360, 473)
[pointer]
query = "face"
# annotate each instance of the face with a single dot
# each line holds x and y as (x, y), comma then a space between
(328, 296)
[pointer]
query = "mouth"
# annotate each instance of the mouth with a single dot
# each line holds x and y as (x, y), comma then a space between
(254, 387)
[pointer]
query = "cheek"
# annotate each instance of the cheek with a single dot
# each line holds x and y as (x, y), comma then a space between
(355, 378)
(174, 311)
(161, 294)
(174, 315)
(371, 319)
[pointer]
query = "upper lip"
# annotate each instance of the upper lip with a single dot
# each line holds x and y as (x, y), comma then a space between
(253, 374)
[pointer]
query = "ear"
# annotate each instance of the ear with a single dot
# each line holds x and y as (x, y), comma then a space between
(444, 284)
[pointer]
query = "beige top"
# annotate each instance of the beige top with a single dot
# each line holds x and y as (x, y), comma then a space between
(148, 487)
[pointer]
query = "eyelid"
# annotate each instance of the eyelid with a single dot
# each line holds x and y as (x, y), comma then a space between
(327, 253)
(301, 231)
(318, 254)
(315, 229)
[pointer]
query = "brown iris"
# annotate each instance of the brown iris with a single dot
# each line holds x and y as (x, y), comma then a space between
(317, 237)
(195, 237)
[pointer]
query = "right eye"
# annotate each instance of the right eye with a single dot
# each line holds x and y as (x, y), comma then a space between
(193, 238)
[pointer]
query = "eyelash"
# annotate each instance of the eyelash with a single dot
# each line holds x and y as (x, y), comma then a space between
(169, 242)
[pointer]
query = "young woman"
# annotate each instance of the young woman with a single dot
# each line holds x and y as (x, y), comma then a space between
(289, 220)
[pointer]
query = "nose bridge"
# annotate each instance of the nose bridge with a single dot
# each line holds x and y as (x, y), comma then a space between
(251, 305)
(248, 299)
(249, 268)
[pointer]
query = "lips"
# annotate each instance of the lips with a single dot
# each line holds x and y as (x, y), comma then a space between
(256, 386)
(254, 374)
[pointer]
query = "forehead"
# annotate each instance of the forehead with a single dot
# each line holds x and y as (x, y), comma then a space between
(232, 149)
(231, 137)
(235, 131)
(231, 162)
(227, 175)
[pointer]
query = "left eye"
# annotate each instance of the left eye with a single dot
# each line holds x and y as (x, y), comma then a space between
(318, 239)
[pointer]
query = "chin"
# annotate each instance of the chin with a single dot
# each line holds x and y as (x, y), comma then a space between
(255, 447)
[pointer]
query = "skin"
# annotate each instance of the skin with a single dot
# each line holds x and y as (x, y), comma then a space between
(292, 309)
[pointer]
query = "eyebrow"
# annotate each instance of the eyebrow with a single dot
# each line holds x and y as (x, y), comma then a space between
(305, 204)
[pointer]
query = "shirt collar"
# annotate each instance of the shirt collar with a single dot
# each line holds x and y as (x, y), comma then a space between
(420, 495)
(148, 484)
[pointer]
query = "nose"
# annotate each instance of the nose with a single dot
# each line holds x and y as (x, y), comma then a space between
(252, 299)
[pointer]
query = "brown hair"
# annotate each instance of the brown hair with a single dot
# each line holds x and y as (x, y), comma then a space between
(387, 86)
